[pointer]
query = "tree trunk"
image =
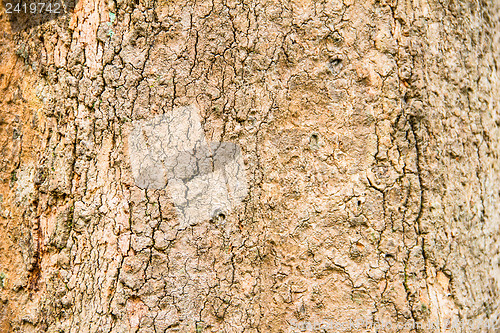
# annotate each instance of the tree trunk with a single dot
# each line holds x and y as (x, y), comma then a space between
(368, 137)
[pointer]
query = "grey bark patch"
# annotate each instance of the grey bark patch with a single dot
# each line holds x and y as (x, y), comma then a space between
(64, 222)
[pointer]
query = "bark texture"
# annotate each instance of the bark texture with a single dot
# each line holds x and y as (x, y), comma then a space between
(370, 134)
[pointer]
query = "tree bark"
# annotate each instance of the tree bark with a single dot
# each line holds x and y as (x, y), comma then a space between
(369, 133)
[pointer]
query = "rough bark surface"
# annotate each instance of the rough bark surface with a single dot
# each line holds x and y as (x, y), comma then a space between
(370, 133)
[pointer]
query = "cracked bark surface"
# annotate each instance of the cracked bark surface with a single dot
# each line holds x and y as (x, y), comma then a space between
(370, 136)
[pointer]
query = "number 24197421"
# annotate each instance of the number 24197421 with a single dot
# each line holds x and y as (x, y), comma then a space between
(33, 8)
